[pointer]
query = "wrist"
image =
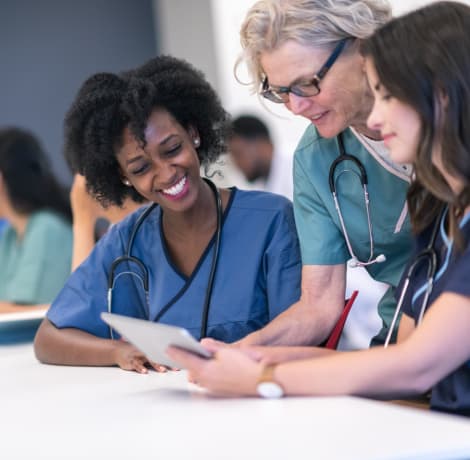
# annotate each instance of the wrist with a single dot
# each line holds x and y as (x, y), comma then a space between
(268, 386)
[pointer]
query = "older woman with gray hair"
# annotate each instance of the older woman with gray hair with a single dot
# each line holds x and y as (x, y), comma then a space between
(349, 196)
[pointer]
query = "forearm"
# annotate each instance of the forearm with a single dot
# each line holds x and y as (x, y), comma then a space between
(83, 241)
(299, 325)
(311, 319)
(270, 355)
(10, 307)
(72, 347)
(373, 373)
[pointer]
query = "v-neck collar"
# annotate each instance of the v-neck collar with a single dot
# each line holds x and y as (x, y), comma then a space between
(166, 252)
(188, 280)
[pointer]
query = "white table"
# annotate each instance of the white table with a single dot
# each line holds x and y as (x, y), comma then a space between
(55, 412)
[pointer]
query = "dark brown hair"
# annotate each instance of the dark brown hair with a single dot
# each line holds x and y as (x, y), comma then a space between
(422, 59)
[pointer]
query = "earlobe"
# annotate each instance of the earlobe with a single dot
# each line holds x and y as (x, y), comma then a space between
(194, 135)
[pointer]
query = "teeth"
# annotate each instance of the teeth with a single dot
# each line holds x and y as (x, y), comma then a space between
(316, 117)
(177, 188)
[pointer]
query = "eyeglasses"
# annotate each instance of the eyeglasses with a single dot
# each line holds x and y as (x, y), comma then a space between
(280, 94)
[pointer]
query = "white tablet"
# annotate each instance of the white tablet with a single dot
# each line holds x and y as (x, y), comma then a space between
(154, 338)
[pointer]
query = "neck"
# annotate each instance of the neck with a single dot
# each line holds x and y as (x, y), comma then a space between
(359, 122)
(19, 222)
(202, 217)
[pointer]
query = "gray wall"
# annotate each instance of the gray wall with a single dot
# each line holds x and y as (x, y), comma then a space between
(48, 48)
(186, 30)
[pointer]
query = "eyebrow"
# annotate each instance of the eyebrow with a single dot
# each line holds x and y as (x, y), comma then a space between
(167, 139)
(162, 142)
(133, 160)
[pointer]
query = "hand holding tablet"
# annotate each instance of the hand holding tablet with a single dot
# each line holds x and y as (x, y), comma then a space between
(154, 338)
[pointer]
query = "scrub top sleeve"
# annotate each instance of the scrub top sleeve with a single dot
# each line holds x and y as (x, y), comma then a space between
(283, 264)
(84, 296)
(458, 280)
(44, 264)
(321, 241)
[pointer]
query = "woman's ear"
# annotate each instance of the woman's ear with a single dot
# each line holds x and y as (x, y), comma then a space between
(194, 136)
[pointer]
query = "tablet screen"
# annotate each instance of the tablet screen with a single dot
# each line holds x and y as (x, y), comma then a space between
(154, 338)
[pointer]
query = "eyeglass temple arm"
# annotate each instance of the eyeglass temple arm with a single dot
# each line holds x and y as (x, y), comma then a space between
(331, 59)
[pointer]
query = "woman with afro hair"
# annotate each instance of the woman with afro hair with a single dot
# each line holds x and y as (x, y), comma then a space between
(145, 134)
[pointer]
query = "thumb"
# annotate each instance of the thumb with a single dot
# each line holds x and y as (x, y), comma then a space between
(212, 344)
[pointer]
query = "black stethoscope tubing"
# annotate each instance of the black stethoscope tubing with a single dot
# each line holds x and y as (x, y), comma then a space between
(144, 279)
(427, 255)
(343, 156)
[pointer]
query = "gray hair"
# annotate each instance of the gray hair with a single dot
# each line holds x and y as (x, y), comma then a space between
(321, 23)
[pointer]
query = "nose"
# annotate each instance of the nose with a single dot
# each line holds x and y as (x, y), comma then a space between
(165, 173)
(374, 121)
(297, 104)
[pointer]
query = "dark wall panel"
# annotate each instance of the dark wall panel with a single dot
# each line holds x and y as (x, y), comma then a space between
(48, 48)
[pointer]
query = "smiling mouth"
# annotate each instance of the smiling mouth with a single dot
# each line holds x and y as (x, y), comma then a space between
(176, 189)
(318, 116)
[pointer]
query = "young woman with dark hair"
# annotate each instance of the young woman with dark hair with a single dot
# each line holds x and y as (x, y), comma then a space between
(35, 249)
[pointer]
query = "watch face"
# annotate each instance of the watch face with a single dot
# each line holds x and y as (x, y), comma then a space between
(269, 390)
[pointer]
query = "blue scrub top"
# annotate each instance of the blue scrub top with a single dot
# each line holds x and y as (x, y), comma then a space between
(258, 273)
(452, 394)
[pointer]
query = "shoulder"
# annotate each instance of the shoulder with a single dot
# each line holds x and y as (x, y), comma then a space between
(258, 201)
(146, 216)
(314, 153)
(48, 222)
(310, 140)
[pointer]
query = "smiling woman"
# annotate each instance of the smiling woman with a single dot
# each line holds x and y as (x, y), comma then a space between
(349, 195)
(221, 263)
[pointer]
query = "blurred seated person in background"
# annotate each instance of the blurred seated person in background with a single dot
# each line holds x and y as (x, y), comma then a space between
(3, 225)
(221, 263)
(36, 247)
(91, 220)
(252, 150)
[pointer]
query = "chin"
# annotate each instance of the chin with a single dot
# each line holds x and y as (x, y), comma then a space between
(331, 128)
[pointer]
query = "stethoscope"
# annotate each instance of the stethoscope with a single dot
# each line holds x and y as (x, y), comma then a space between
(144, 276)
(428, 256)
(362, 175)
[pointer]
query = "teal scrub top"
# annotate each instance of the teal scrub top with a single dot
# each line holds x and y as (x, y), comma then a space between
(321, 238)
(34, 269)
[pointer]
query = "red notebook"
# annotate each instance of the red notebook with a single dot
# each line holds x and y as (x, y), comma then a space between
(333, 340)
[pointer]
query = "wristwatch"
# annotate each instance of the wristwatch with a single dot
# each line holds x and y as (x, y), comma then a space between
(267, 387)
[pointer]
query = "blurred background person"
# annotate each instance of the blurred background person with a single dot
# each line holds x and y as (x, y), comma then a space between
(91, 220)
(36, 246)
(252, 151)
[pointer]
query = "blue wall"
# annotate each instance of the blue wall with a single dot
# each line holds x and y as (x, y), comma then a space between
(49, 47)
